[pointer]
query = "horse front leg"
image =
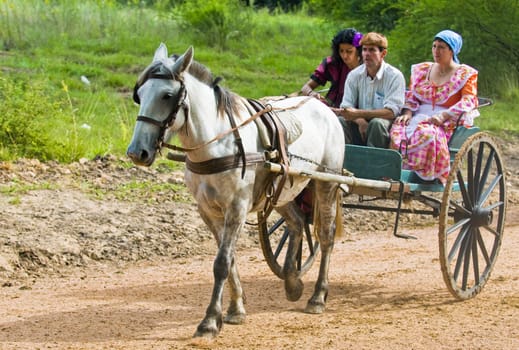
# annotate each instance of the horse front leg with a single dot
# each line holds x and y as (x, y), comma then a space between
(328, 213)
(236, 310)
(224, 268)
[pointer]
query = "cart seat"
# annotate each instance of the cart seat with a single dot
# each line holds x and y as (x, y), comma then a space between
(385, 165)
(461, 134)
(373, 163)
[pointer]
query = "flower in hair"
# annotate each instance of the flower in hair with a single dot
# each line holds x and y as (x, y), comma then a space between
(356, 39)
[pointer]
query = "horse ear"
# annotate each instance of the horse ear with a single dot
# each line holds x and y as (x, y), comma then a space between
(161, 53)
(183, 62)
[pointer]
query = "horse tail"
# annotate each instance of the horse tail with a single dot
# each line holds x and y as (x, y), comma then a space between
(339, 229)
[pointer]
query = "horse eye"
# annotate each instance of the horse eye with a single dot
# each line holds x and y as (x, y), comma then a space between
(167, 96)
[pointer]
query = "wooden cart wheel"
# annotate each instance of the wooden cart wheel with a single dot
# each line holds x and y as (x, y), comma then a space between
(273, 236)
(472, 216)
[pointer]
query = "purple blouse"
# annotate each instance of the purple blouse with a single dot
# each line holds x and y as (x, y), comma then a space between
(335, 73)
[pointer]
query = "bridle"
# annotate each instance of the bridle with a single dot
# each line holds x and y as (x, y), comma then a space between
(165, 124)
(216, 165)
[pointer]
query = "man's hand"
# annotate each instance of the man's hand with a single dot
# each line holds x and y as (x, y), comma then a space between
(337, 111)
(350, 113)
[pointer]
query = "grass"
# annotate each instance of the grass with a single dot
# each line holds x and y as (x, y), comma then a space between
(48, 46)
(499, 118)
(16, 188)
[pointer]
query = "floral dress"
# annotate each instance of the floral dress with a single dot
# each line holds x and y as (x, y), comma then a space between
(424, 146)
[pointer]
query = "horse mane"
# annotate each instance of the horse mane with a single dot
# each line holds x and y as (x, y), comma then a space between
(226, 101)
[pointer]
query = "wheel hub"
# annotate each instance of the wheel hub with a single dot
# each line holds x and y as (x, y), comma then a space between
(481, 217)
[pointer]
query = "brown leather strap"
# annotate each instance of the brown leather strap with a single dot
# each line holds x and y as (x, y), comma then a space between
(217, 165)
(239, 143)
(278, 137)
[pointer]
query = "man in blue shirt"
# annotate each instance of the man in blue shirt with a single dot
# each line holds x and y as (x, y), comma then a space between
(374, 94)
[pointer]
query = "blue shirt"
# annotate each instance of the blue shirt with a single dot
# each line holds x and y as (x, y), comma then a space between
(385, 90)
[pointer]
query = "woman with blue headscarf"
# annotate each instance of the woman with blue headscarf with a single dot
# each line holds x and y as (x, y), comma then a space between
(442, 95)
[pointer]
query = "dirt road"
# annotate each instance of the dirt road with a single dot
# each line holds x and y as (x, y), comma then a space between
(384, 293)
(89, 259)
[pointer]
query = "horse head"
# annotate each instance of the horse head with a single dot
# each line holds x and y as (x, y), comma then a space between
(161, 94)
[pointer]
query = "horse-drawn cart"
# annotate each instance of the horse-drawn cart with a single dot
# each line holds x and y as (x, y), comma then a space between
(470, 207)
(226, 154)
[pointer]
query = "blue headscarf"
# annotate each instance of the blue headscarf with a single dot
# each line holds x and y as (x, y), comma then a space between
(452, 39)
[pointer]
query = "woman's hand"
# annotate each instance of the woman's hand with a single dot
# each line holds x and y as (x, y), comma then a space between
(402, 119)
(315, 94)
(439, 119)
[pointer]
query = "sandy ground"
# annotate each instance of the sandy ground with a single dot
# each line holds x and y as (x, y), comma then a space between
(82, 267)
(384, 293)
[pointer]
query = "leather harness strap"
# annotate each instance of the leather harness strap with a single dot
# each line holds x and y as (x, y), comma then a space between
(217, 165)
(239, 143)
(278, 138)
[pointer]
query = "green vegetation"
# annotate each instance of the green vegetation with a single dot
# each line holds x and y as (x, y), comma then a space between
(67, 68)
(16, 187)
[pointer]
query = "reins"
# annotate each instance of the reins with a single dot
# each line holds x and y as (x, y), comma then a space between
(268, 108)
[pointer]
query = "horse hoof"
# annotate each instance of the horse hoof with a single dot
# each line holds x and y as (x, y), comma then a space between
(205, 333)
(314, 308)
(294, 289)
(235, 318)
(208, 329)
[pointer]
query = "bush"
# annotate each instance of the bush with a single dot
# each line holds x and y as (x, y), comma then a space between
(26, 113)
(214, 22)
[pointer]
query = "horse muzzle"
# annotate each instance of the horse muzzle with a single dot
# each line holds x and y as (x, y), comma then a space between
(141, 156)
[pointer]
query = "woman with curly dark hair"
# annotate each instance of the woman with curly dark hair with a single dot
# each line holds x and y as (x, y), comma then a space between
(346, 55)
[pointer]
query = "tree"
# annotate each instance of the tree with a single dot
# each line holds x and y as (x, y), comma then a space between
(374, 15)
(489, 29)
(285, 5)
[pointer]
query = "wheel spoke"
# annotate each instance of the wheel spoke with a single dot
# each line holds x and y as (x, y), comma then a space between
(492, 231)
(457, 242)
(461, 254)
(276, 226)
(490, 189)
(475, 260)
(495, 205)
(457, 225)
(309, 239)
(458, 208)
(483, 248)
(470, 176)
(463, 189)
(486, 171)
(466, 262)
(281, 244)
(299, 256)
(477, 170)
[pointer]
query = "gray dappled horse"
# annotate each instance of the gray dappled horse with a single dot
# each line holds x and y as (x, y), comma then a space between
(180, 96)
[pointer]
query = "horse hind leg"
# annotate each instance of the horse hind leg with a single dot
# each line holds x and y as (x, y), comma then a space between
(329, 213)
(294, 217)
